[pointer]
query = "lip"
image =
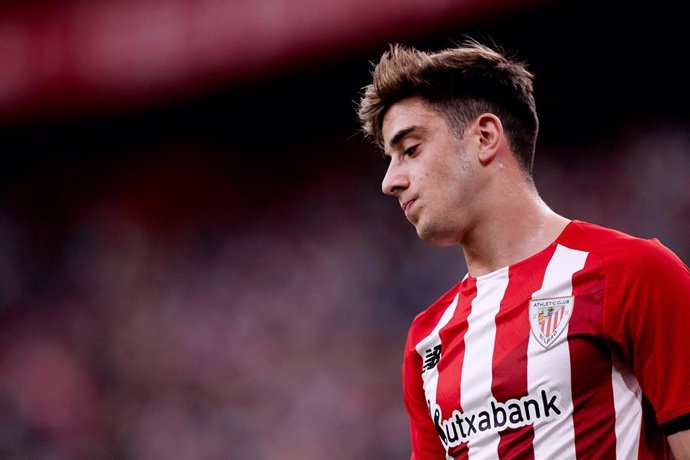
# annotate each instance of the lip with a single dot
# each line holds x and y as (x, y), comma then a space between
(406, 205)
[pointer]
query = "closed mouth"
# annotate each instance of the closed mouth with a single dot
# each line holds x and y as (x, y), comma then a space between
(406, 205)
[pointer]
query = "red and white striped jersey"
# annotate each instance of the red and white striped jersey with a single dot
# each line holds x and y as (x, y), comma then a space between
(580, 351)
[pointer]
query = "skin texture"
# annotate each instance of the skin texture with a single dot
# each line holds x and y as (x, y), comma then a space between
(680, 445)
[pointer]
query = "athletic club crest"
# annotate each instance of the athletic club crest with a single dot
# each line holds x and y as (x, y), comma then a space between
(548, 318)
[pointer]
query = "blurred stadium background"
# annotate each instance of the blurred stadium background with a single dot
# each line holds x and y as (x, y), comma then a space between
(196, 261)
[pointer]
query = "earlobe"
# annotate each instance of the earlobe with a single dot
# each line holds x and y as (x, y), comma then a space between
(490, 132)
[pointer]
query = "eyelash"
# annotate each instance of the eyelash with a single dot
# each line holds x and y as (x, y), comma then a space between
(411, 151)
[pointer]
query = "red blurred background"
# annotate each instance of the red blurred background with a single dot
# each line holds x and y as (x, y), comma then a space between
(196, 261)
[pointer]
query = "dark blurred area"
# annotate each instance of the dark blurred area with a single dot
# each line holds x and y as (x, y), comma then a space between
(196, 260)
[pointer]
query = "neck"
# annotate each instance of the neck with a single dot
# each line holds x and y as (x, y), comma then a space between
(518, 225)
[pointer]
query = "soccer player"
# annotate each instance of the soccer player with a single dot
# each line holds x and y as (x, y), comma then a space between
(566, 340)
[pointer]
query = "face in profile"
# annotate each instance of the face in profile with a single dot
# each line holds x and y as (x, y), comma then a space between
(431, 171)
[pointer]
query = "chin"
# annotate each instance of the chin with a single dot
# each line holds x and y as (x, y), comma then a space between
(437, 237)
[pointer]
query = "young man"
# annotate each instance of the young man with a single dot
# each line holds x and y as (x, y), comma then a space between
(566, 339)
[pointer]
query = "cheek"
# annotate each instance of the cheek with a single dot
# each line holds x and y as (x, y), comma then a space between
(445, 178)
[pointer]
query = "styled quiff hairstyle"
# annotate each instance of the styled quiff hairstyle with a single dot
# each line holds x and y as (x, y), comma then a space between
(461, 83)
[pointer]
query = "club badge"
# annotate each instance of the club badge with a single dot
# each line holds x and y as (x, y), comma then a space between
(549, 317)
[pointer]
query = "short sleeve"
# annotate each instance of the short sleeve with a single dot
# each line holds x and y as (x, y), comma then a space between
(647, 321)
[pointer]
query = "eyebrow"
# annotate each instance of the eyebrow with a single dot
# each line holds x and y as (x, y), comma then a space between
(401, 134)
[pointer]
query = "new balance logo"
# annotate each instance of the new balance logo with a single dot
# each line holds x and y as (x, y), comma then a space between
(431, 358)
(496, 416)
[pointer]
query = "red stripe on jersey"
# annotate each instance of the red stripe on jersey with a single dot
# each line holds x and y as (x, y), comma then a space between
(453, 354)
(594, 414)
(423, 434)
(510, 350)
(425, 322)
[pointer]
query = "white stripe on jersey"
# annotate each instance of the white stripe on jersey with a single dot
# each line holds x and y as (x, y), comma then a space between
(477, 367)
(554, 441)
(432, 340)
(627, 401)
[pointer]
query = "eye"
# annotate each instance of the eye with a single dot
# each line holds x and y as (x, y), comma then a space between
(411, 150)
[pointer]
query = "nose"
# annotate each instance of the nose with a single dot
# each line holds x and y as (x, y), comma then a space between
(395, 180)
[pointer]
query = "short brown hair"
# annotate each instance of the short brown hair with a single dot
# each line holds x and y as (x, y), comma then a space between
(462, 83)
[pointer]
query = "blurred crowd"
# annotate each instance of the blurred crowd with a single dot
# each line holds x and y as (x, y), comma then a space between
(276, 333)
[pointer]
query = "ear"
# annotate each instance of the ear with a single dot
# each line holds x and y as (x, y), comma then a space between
(490, 134)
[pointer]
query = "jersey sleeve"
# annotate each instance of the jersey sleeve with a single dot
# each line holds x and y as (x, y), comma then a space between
(647, 319)
(426, 445)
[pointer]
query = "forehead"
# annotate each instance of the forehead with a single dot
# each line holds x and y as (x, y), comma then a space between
(412, 111)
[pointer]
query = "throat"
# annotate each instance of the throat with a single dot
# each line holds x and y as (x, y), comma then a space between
(500, 246)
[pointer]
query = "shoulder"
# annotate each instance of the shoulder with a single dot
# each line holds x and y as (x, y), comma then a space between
(431, 317)
(621, 253)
